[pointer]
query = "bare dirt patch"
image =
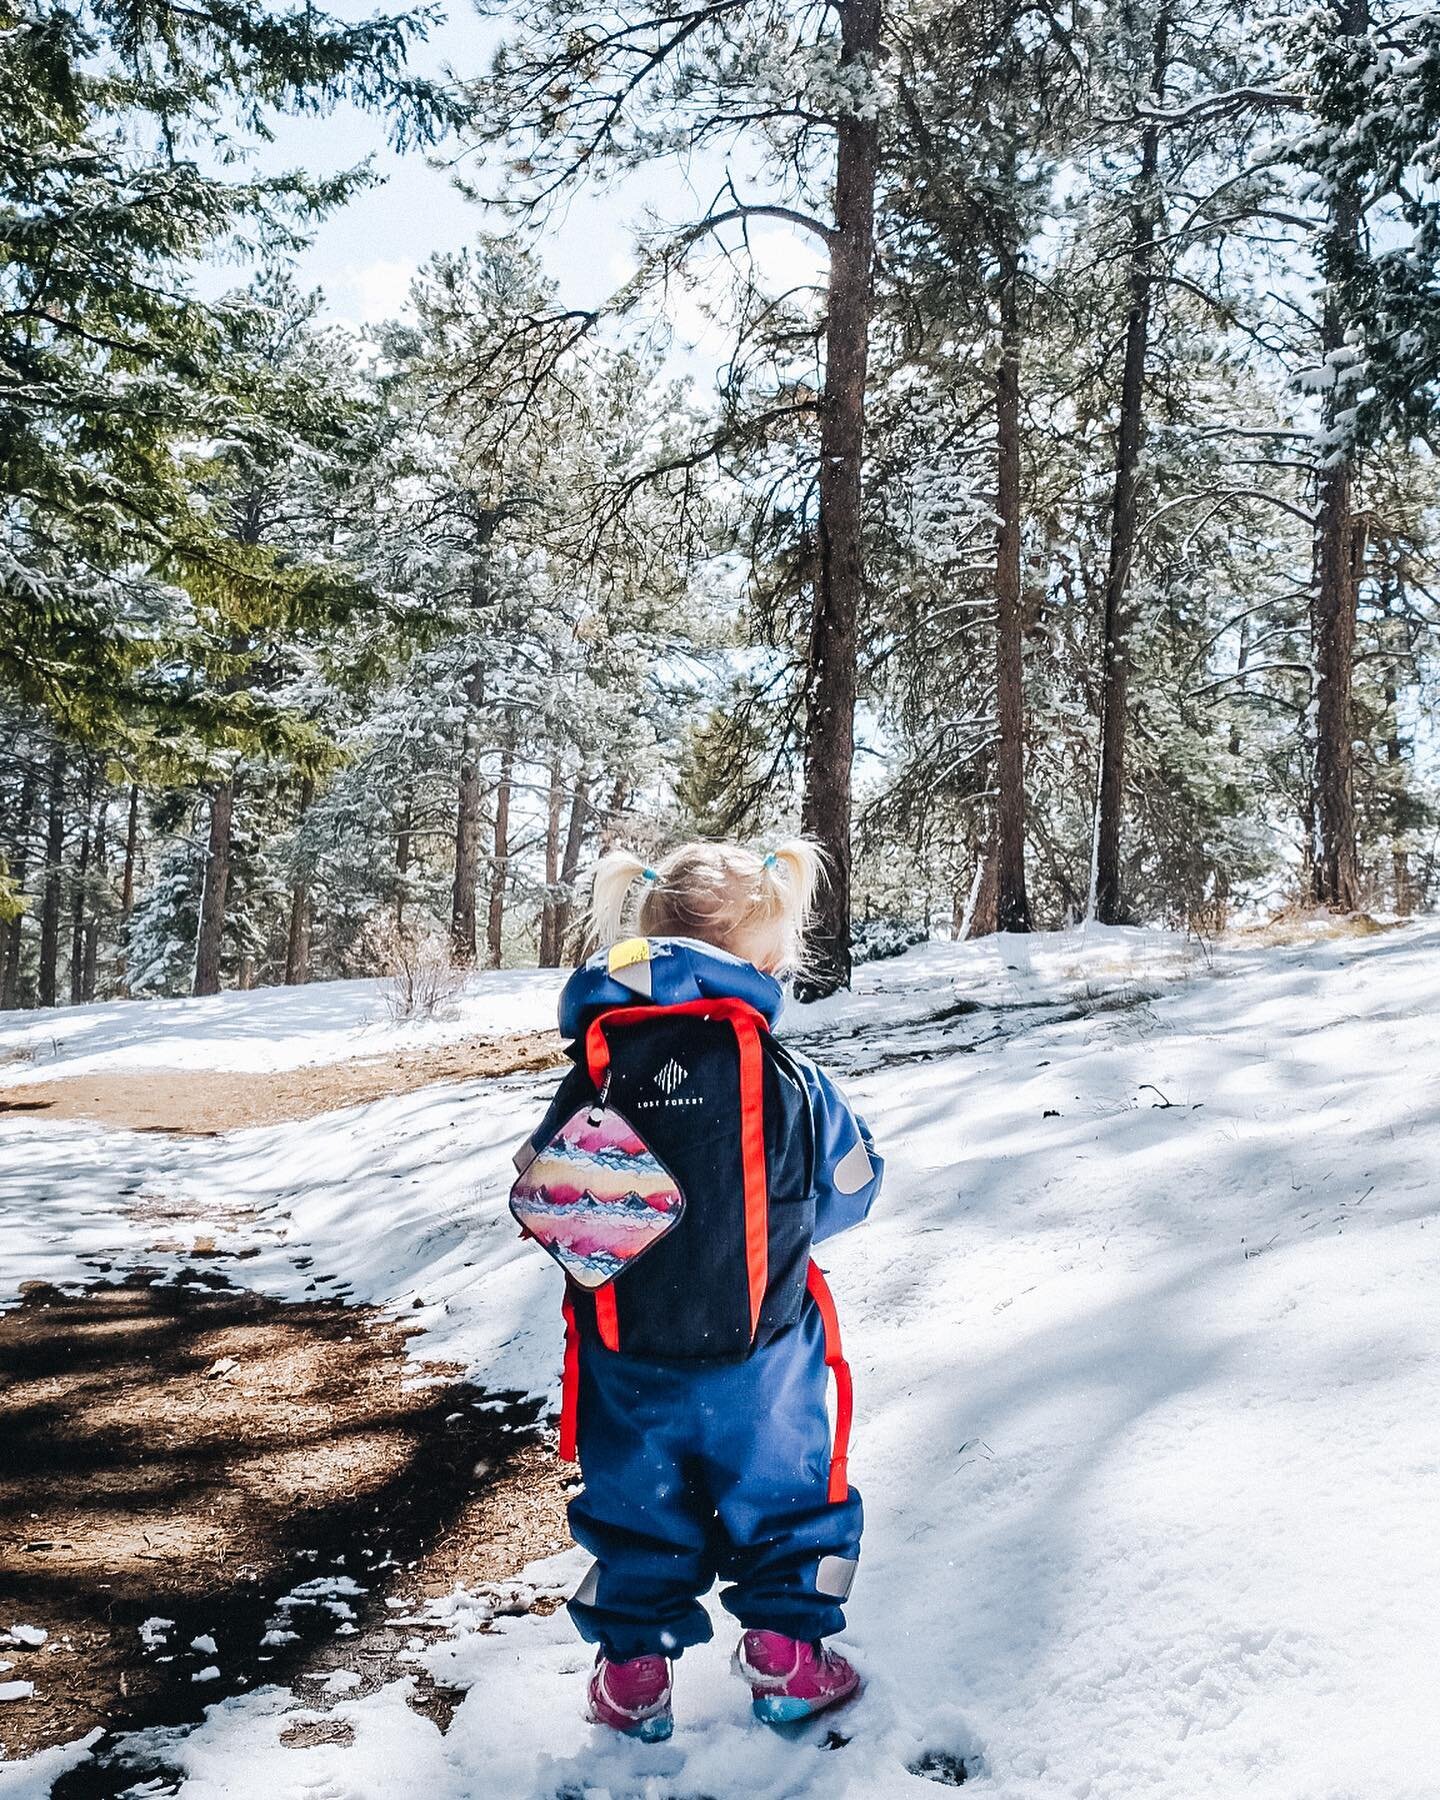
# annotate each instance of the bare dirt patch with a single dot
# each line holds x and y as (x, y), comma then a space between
(1309, 925)
(205, 1102)
(179, 1459)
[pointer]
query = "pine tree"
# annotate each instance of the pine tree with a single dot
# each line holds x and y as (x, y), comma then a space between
(107, 358)
(573, 97)
(1369, 77)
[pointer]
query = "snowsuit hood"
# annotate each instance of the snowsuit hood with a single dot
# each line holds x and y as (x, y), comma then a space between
(677, 970)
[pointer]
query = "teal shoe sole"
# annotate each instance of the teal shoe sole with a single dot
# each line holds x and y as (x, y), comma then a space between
(781, 1709)
(653, 1731)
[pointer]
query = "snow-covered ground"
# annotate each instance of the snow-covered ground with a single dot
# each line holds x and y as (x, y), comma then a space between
(263, 1031)
(1146, 1351)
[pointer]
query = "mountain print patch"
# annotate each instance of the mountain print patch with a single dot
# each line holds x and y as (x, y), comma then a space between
(595, 1197)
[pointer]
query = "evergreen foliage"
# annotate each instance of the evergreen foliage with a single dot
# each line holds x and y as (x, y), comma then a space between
(321, 653)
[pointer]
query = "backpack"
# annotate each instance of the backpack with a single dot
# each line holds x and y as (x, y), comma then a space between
(672, 1181)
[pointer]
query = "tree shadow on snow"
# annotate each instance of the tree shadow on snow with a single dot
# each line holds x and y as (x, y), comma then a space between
(202, 1486)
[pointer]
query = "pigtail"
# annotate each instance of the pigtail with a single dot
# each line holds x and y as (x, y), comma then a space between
(791, 876)
(615, 874)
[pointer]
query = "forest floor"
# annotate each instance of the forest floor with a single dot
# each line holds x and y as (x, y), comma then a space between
(205, 1102)
(194, 1464)
(1146, 1358)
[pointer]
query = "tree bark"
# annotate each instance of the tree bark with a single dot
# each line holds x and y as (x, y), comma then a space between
(1107, 902)
(1399, 857)
(613, 814)
(500, 860)
(570, 865)
(91, 955)
(1339, 548)
(983, 917)
(15, 940)
(403, 827)
(297, 945)
(549, 949)
(132, 834)
(1012, 909)
(78, 897)
(127, 885)
(831, 658)
(467, 828)
(54, 859)
(214, 890)
(1339, 545)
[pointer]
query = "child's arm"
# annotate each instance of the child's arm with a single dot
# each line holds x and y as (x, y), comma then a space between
(848, 1169)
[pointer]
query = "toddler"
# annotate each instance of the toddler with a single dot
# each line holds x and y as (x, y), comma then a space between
(681, 1175)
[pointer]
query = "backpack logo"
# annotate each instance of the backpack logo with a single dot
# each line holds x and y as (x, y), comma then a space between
(669, 1078)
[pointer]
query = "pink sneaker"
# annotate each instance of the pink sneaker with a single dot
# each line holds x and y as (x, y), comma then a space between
(633, 1697)
(789, 1679)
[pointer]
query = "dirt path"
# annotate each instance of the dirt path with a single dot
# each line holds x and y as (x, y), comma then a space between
(205, 1102)
(191, 1454)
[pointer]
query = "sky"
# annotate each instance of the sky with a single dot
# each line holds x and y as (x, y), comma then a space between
(365, 255)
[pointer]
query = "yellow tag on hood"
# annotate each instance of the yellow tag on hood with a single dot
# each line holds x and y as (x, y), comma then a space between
(626, 954)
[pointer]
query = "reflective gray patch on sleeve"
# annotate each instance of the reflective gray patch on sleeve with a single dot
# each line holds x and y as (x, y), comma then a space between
(853, 1170)
(589, 1587)
(835, 1576)
(524, 1156)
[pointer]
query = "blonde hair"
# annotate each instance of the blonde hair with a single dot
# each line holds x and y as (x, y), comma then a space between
(755, 906)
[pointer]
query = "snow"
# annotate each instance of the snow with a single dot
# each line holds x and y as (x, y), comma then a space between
(1147, 1371)
(33, 1780)
(265, 1030)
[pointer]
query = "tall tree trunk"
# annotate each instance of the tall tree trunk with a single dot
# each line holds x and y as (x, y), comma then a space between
(1242, 662)
(613, 814)
(964, 901)
(570, 865)
(91, 956)
(79, 895)
(297, 946)
(54, 875)
(983, 915)
(467, 828)
(831, 659)
(1012, 909)
(549, 949)
(213, 892)
(1107, 902)
(15, 941)
(404, 825)
(132, 838)
(1339, 548)
(127, 884)
(1395, 757)
(500, 860)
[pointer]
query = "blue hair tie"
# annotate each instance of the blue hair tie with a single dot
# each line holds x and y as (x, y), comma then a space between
(649, 875)
(770, 861)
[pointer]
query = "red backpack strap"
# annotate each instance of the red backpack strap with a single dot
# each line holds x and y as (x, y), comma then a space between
(570, 1382)
(570, 1378)
(819, 1291)
(748, 1024)
(607, 1316)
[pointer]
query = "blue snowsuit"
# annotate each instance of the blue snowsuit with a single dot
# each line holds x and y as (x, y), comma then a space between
(697, 1470)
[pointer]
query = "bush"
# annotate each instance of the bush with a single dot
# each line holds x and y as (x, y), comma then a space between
(425, 980)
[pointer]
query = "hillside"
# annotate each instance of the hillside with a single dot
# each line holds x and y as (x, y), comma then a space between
(1145, 1347)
